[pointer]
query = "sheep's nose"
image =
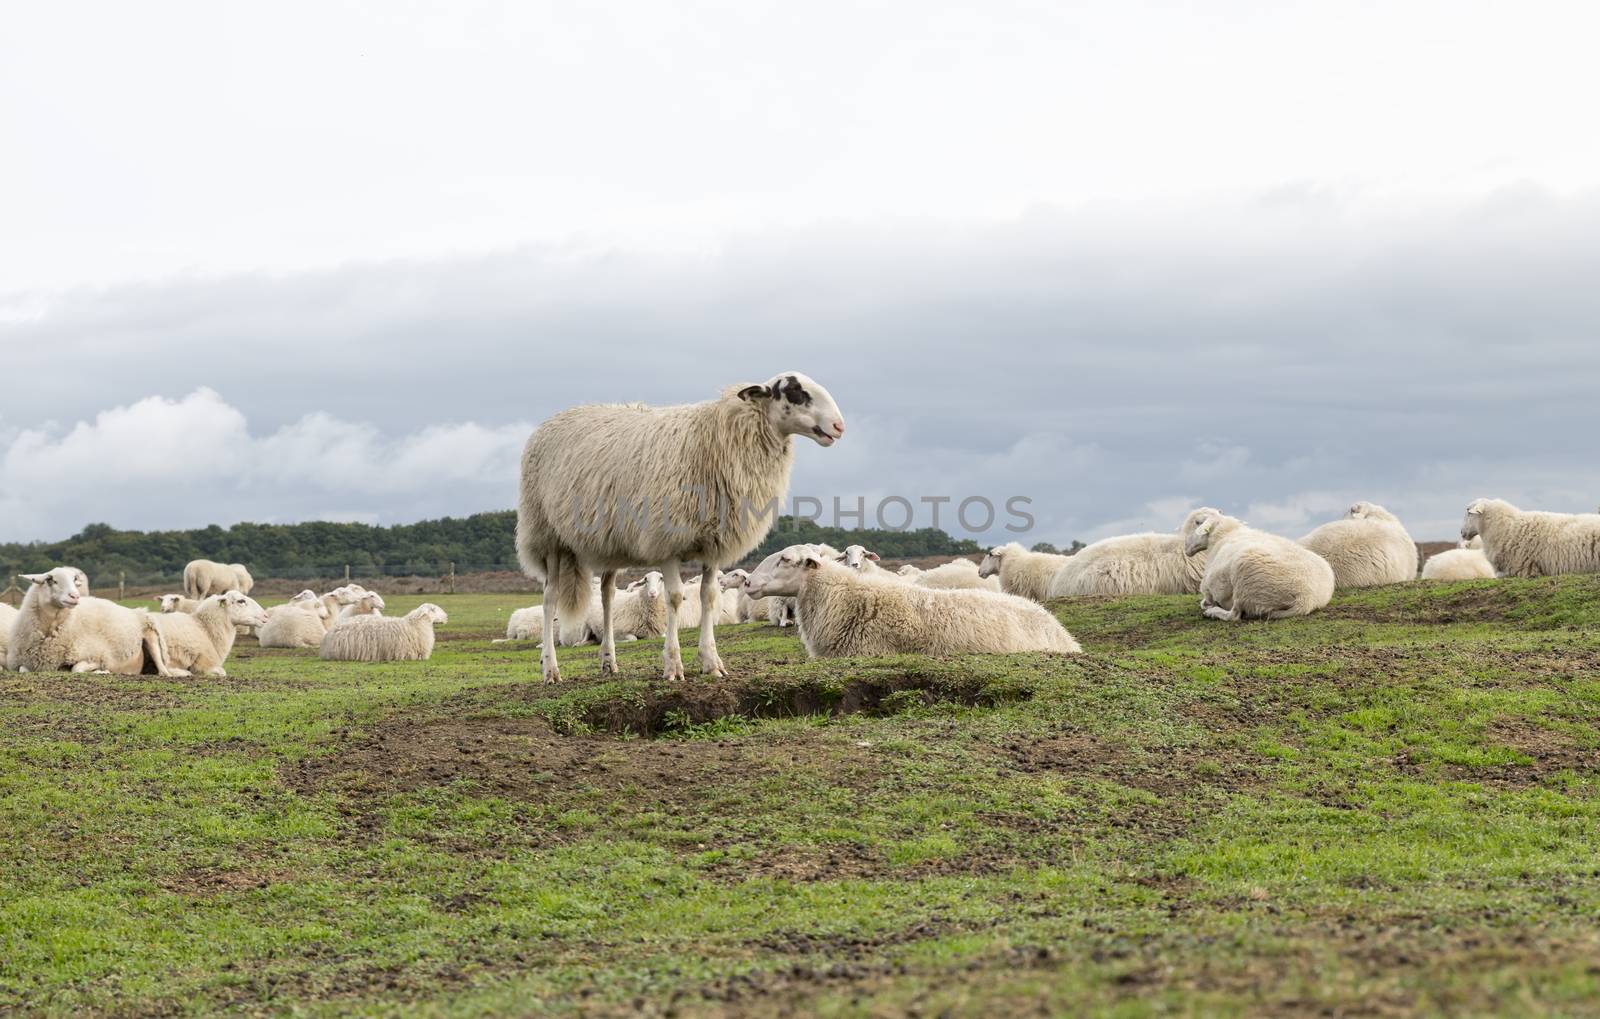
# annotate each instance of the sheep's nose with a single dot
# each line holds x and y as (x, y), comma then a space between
(838, 428)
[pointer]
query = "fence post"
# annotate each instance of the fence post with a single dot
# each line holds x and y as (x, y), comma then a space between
(122, 585)
(452, 578)
(347, 573)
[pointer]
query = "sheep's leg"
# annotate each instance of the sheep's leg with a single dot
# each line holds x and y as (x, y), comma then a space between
(1218, 612)
(87, 667)
(710, 605)
(608, 640)
(547, 650)
(672, 656)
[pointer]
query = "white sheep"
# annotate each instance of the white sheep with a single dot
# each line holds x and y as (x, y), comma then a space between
(1021, 572)
(1532, 543)
(407, 638)
(848, 614)
(1251, 574)
(203, 578)
(1465, 563)
(526, 623)
(749, 610)
(366, 603)
(242, 581)
(60, 628)
(183, 643)
(956, 575)
(1367, 547)
(1149, 563)
(717, 469)
(908, 571)
(296, 624)
(176, 603)
(8, 619)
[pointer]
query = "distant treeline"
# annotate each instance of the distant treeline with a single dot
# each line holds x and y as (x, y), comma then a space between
(484, 541)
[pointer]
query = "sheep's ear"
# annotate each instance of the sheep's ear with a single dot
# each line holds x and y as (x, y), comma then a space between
(811, 562)
(873, 556)
(34, 578)
(755, 393)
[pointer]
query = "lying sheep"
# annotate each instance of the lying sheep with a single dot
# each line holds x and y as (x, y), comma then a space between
(8, 619)
(176, 603)
(1367, 547)
(908, 571)
(59, 628)
(1022, 573)
(367, 603)
(1148, 563)
(1465, 563)
(525, 624)
(731, 455)
(298, 624)
(181, 644)
(847, 614)
(408, 638)
(1251, 574)
(1531, 543)
(956, 575)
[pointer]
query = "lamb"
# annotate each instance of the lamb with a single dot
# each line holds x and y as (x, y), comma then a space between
(181, 643)
(60, 628)
(1531, 543)
(1146, 563)
(1023, 573)
(408, 638)
(1367, 547)
(956, 575)
(1251, 574)
(589, 476)
(848, 614)
(368, 603)
(1465, 563)
(300, 623)
(204, 578)
(176, 603)
(8, 619)
(749, 610)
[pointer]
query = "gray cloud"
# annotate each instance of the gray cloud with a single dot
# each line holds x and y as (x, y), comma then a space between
(1279, 358)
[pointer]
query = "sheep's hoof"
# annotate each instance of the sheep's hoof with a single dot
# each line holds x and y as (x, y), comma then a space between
(712, 666)
(179, 674)
(608, 666)
(552, 675)
(673, 671)
(220, 673)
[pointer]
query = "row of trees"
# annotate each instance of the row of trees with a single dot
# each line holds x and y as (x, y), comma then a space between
(484, 541)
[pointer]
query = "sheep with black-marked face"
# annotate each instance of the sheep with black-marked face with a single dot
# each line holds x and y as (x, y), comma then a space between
(724, 461)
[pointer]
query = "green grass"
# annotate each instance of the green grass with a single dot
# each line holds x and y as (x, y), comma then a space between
(1390, 807)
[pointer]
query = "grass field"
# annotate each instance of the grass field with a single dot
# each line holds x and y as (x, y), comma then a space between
(1390, 808)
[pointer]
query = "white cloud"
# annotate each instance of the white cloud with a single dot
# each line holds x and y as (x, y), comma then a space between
(163, 463)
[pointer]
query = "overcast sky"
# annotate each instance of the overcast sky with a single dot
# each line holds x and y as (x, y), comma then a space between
(326, 260)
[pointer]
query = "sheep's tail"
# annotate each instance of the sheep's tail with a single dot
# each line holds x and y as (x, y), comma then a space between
(568, 590)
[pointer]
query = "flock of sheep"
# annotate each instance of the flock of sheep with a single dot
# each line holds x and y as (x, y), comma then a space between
(62, 627)
(734, 454)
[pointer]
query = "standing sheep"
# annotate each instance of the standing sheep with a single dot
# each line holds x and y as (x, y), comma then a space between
(1531, 543)
(588, 472)
(1465, 563)
(1367, 547)
(242, 581)
(204, 578)
(1251, 574)
(1148, 563)
(181, 643)
(408, 638)
(847, 614)
(1023, 573)
(60, 628)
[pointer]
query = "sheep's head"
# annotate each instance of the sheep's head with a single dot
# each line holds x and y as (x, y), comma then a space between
(732, 579)
(1192, 521)
(170, 602)
(796, 404)
(782, 573)
(430, 612)
(306, 595)
(1370, 511)
(854, 555)
(909, 570)
(1473, 543)
(1200, 537)
(59, 585)
(995, 557)
(651, 587)
(1472, 523)
(243, 610)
